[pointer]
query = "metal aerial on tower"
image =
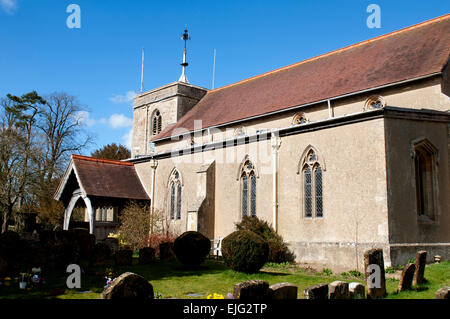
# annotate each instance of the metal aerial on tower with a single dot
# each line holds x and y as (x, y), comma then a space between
(184, 37)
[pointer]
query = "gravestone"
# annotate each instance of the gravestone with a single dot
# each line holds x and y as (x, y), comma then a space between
(166, 252)
(112, 243)
(124, 257)
(100, 255)
(338, 290)
(421, 259)
(443, 293)
(284, 291)
(375, 279)
(128, 286)
(85, 242)
(146, 255)
(356, 290)
(316, 292)
(406, 278)
(252, 289)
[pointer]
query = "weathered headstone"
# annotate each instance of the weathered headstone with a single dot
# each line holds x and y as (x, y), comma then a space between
(374, 272)
(128, 286)
(443, 293)
(316, 292)
(283, 291)
(356, 290)
(112, 243)
(166, 251)
(406, 277)
(86, 242)
(421, 259)
(252, 289)
(146, 255)
(124, 257)
(100, 255)
(338, 290)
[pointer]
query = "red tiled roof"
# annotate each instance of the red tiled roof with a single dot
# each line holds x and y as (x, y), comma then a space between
(410, 53)
(108, 178)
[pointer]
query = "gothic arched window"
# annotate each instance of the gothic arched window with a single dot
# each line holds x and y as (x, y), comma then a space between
(248, 187)
(425, 154)
(156, 122)
(312, 174)
(175, 195)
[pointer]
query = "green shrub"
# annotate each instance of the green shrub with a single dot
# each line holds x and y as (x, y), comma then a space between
(278, 249)
(245, 251)
(355, 273)
(327, 272)
(191, 248)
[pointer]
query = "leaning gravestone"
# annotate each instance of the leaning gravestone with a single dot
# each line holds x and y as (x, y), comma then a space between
(316, 292)
(421, 259)
(283, 291)
(374, 271)
(252, 289)
(356, 290)
(443, 293)
(338, 290)
(128, 286)
(407, 277)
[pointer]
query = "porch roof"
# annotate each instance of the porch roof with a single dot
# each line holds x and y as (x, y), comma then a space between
(101, 177)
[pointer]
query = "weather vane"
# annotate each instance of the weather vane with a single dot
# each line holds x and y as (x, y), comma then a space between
(185, 37)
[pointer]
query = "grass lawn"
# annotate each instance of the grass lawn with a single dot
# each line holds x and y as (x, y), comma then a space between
(170, 280)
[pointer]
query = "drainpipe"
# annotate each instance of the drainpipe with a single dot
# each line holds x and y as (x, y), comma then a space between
(329, 109)
(276, 143)
(153, 165)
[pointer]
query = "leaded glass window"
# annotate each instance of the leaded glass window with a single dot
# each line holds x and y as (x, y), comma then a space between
(424, 162)
(179, 201)
(244, 194)
(318, 188)
(308, 192)
(253, 196)
(172, 201)
(175, 195)
(248, 189)
(312, 184)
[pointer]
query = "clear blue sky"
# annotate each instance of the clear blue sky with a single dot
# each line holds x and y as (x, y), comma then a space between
(100, 62)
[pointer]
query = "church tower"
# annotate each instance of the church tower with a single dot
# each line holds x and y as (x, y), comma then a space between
(156, 109)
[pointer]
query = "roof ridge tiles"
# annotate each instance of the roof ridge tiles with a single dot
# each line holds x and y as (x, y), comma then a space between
(101, 160)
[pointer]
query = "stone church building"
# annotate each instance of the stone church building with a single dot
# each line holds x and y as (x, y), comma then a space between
(341, 153)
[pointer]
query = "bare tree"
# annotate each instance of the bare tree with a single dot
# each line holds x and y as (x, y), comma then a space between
(18, 116)
(37, 137)
(62, 133)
